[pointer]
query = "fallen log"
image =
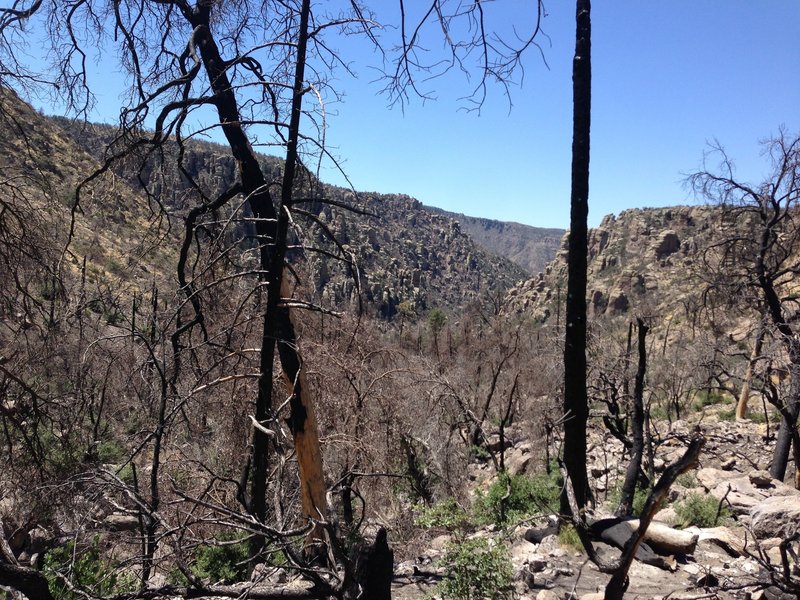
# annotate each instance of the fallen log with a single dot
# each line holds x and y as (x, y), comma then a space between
(662, 538)
(617, 534)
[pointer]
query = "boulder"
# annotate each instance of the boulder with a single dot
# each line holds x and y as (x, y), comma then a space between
(121, 522)
(743, 492)
(617, 302)
(778, 516)
(517, 459)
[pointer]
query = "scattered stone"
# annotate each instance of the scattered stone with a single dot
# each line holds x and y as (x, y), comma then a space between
(761, 479)
(709, 580)
(728, 465)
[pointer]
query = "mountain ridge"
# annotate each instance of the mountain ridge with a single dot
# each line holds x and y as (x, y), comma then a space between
(529, 247)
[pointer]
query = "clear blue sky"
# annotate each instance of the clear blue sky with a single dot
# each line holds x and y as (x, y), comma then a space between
(667, 78)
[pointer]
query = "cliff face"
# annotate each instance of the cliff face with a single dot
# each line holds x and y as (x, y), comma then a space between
(642, 260)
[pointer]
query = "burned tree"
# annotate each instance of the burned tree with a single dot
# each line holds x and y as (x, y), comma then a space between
(757, 258)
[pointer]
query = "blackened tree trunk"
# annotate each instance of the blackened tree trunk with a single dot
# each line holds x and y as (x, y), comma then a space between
(27, 581)
(634, 467)
(576, 409)
(271, 232)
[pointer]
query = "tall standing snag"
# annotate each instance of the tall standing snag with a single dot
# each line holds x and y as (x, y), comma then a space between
(576, 407)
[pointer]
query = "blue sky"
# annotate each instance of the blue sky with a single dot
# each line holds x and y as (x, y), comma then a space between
(668, 77)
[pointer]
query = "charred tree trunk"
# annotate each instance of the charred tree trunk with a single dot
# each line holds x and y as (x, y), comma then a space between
(634, 467)
(271, 233)
(374, 570)
(576, 409)
(791, 406)
(29, 582)
(619, 581)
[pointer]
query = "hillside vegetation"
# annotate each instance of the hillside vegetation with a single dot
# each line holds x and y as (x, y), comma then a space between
(128, 386)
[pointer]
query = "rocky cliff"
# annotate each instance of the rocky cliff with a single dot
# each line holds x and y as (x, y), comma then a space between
(396, 251)
(644, 260)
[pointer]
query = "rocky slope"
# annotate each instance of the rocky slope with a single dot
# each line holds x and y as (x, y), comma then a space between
(529, 247)
(401, 252)
(739, 557)
(644, 260)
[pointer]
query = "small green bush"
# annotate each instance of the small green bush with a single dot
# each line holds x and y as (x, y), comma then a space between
(476, 570)
(568, 537)
(225, 561)
(447, 514)
(526, 496)
(727, 414)
(758, 416)
(700, 510)
(86, 571)
(688, 480)
(109, 452)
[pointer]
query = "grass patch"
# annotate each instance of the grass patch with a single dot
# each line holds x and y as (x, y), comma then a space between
(568, 538)
(705, 398)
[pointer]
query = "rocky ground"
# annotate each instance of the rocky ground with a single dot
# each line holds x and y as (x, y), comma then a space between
(729, 561)
(741, 558)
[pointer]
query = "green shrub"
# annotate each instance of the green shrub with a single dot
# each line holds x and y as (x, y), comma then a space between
(225, 561)
(447, 514)
(700, 510)
(476, 570)
(659, 412)
(479, 453)
(86, 571)
(704, 398)
(568, 537)
(526, 496)
(109, 452)
(727, 414)
(758, 416)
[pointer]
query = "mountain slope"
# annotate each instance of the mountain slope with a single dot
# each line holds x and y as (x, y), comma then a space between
(401, 252)
(529, 247)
